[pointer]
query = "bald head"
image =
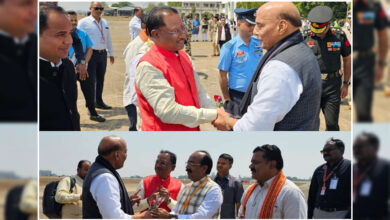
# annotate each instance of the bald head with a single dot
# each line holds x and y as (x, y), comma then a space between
(110, 144)
(275, 21)
(282, 10)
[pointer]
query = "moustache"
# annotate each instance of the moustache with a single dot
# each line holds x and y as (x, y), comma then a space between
(253, 170)
(189, 170)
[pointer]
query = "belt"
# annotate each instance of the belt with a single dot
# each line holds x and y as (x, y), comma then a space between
(332, 209)
(362, 54)
(99, 51)
(325, 76)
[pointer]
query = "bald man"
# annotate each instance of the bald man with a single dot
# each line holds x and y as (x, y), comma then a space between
(285, 90)
(104, 193)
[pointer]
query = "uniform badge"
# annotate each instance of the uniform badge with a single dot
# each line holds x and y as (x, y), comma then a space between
(310, 43)
(240, 53)
(329, 44)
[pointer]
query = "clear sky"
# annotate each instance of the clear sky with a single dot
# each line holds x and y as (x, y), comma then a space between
(61, 151)
(18, 149)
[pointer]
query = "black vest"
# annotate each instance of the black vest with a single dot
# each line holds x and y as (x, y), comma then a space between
(18, 80)
(58, 97)
(90, 208)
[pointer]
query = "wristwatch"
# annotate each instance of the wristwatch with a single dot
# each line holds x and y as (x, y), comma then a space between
(227, 124)
(382, 63)
(347, 83)
(82, 62)
(173, 216)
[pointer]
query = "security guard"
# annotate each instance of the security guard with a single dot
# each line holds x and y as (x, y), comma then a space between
(328, 44)
(367, 16)
(240, 57)
(187, 42)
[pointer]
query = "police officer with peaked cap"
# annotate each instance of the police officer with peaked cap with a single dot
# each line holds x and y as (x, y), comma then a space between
(328, 44)
(368, 18)
(239, 57)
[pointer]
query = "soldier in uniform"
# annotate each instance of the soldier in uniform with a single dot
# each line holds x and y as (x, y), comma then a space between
(213, 27)
(368, 16)
(328, 45)
(239, 57)
(187, 43)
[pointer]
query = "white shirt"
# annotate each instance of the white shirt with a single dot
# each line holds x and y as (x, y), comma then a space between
(20, 41)
(92, 27)
(58, 64)
(290, 203)
(105, 191)
(129, 93)
(278, 90)
(135, 27)
(210, 205)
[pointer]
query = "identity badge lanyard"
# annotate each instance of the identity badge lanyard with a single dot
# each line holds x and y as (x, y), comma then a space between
(365, 188)
(325, 178)
(102, 39)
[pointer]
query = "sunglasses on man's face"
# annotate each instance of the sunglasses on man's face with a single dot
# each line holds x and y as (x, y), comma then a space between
(97, 8)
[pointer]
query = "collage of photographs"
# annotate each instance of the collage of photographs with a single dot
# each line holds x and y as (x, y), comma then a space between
(194, 110)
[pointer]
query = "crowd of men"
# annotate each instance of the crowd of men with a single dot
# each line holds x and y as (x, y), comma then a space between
(98, 191)
(282, 89)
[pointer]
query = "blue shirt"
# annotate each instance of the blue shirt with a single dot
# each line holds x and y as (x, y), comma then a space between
(195, 23)
(240, 61)
(85, 41)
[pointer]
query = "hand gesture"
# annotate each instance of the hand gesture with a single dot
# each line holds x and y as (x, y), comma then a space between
(135, 198)
(159, 213)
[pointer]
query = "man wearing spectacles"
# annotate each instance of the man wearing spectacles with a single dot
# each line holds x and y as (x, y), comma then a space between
(169, 92)
(330, 187)
(159, 185)
(200, 199)
(97, 29)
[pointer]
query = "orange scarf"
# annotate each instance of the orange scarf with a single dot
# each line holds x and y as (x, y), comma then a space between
(270, 199)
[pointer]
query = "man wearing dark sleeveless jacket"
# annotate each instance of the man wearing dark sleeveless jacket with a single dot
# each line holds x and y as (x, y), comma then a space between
(104, 193)
(57, 77)
(285, 90)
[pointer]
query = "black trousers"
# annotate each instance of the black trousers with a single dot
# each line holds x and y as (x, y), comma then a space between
(96, 70)
(233, 106)
(221, 42)
(363, 86)
(330, 102)
(132, 114)
(87, 87)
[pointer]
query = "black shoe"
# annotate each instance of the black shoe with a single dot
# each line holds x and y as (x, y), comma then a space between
(97, 118)
(104, 106)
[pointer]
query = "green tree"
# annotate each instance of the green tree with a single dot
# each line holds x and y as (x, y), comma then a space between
(161, 4)
(174, 4)
(116, 5)
(339, 8)
(104, 4)
(193, 10)
(207, 14)
(125, 4)
(248, 5)
(150, 6)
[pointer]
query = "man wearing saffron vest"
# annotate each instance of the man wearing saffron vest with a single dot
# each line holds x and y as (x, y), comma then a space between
(273, 196)
(161, 184)
(169, 92)
(285, 91)
(200, 199)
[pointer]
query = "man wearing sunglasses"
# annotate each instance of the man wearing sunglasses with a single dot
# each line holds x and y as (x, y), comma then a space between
(169, 92)
(330, 187)
(239, 57)
(97, 29)
(328, 45)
